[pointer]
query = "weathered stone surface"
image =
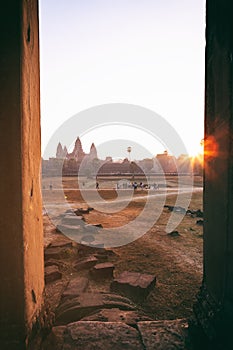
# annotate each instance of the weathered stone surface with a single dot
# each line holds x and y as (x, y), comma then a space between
(56, 253)
(116, 315)
(93, 335)
(52, 273)
(75, 287)
(56, 339)
(72, 220)
(164, 335)
(61, 244)
(134, 285)
(51, 262)
(86, 303)
(102, 257)
(103, 254)
(86, 263)
(97, 335)
(102, 270)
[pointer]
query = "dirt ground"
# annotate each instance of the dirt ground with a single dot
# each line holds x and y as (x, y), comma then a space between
(175, 260)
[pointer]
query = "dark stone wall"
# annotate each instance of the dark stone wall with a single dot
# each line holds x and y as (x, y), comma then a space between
(21, 245)
(218, 229)
(214, 307)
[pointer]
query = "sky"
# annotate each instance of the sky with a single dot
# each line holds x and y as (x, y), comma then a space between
(148, 53)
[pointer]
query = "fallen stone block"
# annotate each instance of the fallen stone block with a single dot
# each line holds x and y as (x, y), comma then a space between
(56, 253)
(116, 315)
(102, 271)
(56, 339)
(84, 304)
(51, 262)
(89, 335)
(164, 335)
(103, 254)
(52, 273)
(75, 287)
(134, 285)
(86, 263)
(101, 335)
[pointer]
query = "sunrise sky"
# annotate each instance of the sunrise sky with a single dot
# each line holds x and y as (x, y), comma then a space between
(143, 52)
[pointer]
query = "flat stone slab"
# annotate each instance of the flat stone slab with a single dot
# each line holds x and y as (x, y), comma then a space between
(164, 335)
(102, 271)
(93, 335)
(116, 315)
(97, 335)
(86, 263)
(75, 287)
(52, 273)
(87, 303)
(134, 285)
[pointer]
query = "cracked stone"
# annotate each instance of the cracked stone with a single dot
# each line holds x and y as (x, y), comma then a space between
(134, 285)
(116, 315)
(86, 263)
(164, 335)
(87, 303)
(75, 287)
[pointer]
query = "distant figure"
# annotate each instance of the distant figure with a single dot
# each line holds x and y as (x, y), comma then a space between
(50, 187)
(97, 185)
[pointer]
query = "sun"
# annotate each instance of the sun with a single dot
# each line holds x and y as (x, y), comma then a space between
(198, 150)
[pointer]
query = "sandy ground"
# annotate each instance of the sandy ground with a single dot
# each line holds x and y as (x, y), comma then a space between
(176, 261)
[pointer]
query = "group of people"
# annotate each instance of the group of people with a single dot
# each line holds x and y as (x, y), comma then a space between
(135, 185)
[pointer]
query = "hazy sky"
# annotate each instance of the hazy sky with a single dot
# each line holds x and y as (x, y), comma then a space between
(144, 52)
